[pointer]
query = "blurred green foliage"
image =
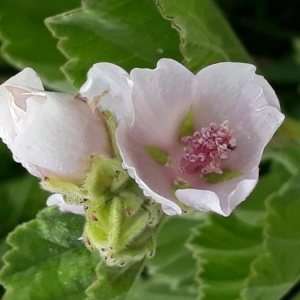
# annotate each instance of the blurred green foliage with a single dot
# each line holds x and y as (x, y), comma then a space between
(269, 31)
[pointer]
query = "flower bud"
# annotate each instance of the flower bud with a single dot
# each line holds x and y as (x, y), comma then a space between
(53, 135)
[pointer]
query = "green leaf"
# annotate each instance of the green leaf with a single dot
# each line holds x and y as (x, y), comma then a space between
(113, 282)
(206, 37)
(47, 260)
(130, 33)
(28, 43)
(160, 292)
(288, 155)
(170, 274)
(225, 247)
(277, 269)
(3, 249)
(296, 296)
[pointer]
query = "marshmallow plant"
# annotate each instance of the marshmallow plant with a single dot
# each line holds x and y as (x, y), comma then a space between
(128, 147)
(69, 144)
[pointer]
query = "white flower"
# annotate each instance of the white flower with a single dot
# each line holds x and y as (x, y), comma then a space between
(212, 162)
(51, 134)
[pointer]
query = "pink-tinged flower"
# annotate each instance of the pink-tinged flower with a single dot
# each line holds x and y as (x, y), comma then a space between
(198, 139)
(51, 134)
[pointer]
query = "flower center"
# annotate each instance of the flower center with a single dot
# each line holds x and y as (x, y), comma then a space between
(207, 149)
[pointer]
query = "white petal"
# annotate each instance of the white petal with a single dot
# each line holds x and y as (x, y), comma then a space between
(202, 200)
(154, 179)
(221, 198)
(109, 87)
(58, 200)
(161, 99)
(232, 91)
(58, 135)
(27, 77)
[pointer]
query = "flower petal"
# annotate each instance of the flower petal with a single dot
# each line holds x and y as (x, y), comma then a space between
(109, 87)
(59, 134)
(58, 200)
(27, 77)
(154, 179)
(160, 109)
(221, 198)
(232, 91)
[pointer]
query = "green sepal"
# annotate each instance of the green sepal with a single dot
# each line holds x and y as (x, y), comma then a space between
(106, 176)
(73, 193)
(225, 176)
(111, 126)
(122, 229)
(187, 126)
(158, 155)
(154, 210)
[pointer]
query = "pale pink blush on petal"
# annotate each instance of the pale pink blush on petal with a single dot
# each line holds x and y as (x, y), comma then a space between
(58, 200)
(153, 178)
(242, 191)
(66, 146)
(232, 91)
(221, 198)
(218, 91)
(202, 200)
(269, 93)
(109, 87)
(27, 77)
(159, 108)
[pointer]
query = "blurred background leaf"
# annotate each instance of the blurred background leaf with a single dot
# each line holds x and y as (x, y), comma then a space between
(206, 36)
(20, 200)
(277, 269)
(28, 43)
(130, 33)
(268, 30)
(225, 247)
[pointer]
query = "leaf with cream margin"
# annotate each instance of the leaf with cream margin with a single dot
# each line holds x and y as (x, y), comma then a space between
(130, 33)
(226, 247)
(28, 43)
(277, 269)
(206, 36)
